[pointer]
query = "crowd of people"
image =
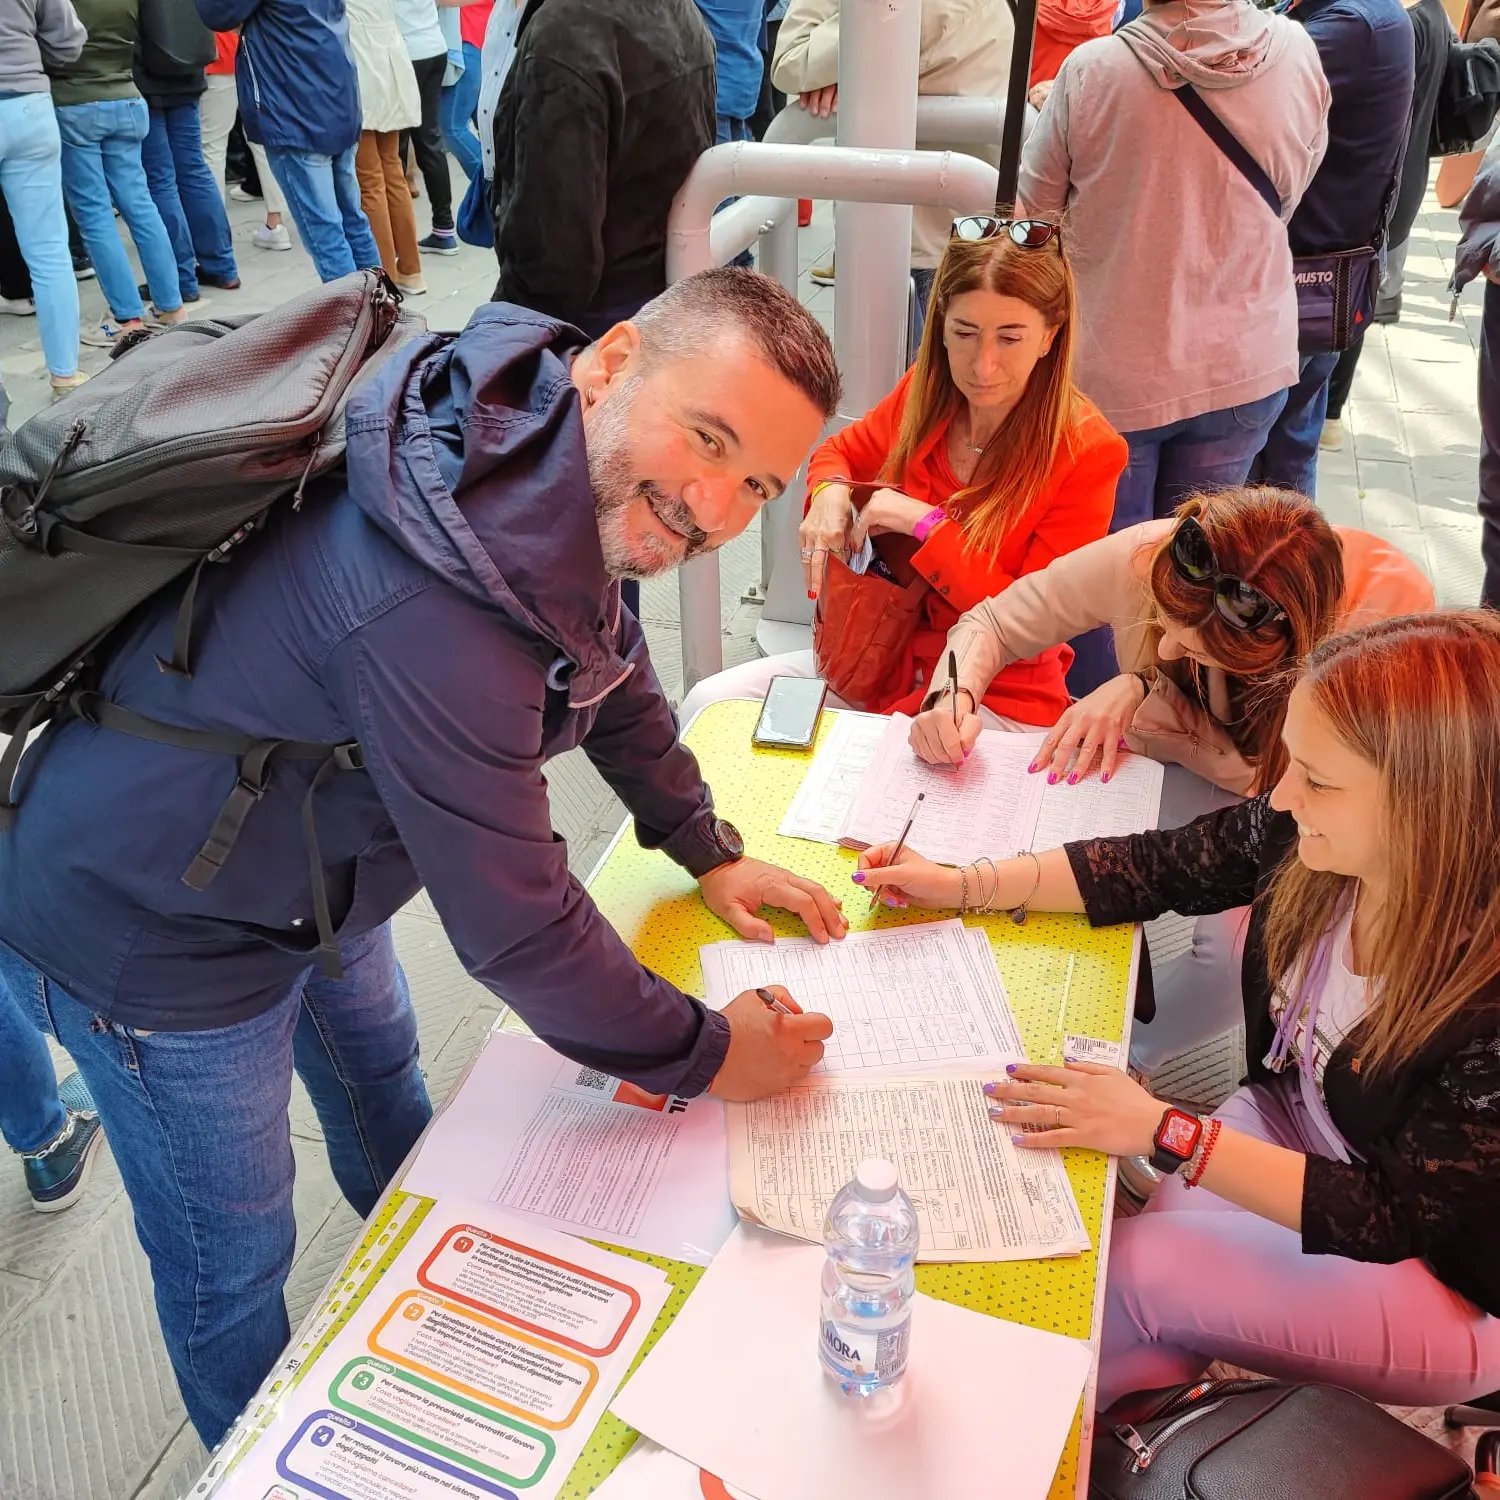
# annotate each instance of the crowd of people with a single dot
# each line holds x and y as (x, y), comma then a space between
(1094, 489)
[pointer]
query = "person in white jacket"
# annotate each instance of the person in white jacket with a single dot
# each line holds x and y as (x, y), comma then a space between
(391, 103)
(965, 50)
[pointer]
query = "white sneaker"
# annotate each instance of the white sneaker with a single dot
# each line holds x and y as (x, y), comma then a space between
(266, 238)
(18, 307)
(412, 286)
(1331, 439)
(106, 333)
(241, 196)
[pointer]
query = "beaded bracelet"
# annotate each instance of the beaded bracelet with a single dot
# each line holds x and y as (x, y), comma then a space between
(1199, 1159)
(963, 898)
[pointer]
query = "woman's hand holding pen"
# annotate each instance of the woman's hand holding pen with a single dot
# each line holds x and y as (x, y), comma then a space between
(937, 738)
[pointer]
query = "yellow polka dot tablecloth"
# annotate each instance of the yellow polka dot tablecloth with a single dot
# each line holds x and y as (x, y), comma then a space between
(1062, 976)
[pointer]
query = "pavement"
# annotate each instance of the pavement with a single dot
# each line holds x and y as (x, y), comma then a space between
(88, 1406)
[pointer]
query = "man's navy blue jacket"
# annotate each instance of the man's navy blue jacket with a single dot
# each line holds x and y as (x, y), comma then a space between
(1368, 52)
(446, 604)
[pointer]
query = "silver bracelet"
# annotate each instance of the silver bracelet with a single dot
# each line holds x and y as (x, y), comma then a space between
(987, 903)
(1018, 913)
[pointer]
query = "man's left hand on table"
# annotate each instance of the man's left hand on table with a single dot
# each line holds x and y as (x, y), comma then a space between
(736, 892)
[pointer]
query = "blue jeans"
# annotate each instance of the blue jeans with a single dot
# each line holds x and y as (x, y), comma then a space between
(199, 1125)
(31, 177)
(101, 161)
(31, 1114)
(322, 193)
(187, 197)
(1166, 465)
(1289, 459)
(456, 106)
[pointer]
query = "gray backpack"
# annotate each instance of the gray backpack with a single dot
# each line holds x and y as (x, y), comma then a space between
(156, 468)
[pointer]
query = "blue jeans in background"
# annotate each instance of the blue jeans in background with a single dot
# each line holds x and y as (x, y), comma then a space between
(1289, 459)
(187, 197)
(31, 177)
(1166, 465)
(456, 106)
(31, 1114)
(199, 1125)
(726, 129)
(322, 193)
(102, 171)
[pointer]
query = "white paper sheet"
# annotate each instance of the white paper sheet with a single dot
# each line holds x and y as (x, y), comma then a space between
(561, 1144)
(978, 1196)
(476, 1370)
(993, 805)
(735, 1385)
(651, 1472)
(900, 998)
(822, 803)
(986, 806)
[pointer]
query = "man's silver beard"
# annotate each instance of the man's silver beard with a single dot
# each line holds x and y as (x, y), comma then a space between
(613, 479)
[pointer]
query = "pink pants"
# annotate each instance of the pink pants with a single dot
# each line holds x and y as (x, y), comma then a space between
(1194, 1279)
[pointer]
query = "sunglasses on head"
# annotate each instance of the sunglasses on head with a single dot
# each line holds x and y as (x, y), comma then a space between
(1240, 605)
(1029, 234)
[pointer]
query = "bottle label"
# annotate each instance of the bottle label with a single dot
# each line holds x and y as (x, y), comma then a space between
(862, 1352)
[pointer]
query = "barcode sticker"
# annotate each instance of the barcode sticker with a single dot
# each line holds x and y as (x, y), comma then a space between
(1091, 1049)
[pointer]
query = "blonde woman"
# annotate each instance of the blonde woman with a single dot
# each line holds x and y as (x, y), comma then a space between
(1337, 1219)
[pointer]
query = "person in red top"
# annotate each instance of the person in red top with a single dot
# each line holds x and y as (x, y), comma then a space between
(986, 454)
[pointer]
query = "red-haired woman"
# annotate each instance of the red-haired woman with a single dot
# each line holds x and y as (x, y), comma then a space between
(1209, 611)
(985, 454)
(1350, 1203)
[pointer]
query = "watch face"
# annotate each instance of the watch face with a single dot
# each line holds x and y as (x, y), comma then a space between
(729, 838)
(1178, 1133)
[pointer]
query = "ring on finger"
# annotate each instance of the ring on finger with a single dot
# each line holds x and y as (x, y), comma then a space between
(1056, 1116)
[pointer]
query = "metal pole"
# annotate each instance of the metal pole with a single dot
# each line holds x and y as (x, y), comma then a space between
(1015, 102)
(879, 46)
(777, 258)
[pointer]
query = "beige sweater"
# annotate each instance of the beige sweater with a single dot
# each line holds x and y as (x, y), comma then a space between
(965, 50)
(1108, 583)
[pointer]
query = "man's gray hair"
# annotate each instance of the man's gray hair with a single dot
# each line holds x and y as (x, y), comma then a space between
(692, 316)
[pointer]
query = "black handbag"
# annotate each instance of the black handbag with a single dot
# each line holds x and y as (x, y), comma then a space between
(1335, 292)
(1266, 1440)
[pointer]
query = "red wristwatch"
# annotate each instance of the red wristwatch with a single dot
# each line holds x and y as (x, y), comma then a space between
(1175, 1140)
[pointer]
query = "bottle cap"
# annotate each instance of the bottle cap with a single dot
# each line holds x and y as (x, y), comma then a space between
(875, 1180)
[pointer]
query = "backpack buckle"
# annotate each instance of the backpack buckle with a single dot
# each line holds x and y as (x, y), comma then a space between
(349, 757)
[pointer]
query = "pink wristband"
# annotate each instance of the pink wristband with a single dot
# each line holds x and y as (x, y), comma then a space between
(929, 523)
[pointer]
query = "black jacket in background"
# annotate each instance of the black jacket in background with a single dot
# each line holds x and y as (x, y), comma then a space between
(1429, 1131)
(607, 106)
(171, 51)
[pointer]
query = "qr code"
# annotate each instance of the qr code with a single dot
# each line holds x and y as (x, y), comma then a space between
(592, 1078)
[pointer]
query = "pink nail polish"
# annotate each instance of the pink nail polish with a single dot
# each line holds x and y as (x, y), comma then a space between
(1031, 769)
(1051, 778)
(1105, 778)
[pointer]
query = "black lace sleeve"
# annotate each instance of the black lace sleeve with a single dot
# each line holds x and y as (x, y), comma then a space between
(1431, 1190)
(1209, 865)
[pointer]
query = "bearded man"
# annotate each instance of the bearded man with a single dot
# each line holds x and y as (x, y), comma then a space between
(450, 602)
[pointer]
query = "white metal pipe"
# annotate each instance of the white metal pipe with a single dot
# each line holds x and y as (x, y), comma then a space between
(942, 120)
(947, 178)
(740, 225)
(879, 46)
(777, 258)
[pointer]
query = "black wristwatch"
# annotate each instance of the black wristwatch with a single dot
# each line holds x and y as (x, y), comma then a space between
(1175, 1140)
(725, 838)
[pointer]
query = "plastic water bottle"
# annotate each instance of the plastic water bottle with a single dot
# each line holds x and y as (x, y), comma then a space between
(871, 1237)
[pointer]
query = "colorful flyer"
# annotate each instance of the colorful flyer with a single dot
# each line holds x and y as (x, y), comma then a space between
(476, 1369)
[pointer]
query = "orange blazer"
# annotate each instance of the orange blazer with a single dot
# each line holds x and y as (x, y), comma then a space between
(1073, 508)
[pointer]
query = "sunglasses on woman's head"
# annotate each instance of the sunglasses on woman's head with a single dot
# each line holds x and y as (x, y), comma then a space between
(1029, 234)
(1240, 605)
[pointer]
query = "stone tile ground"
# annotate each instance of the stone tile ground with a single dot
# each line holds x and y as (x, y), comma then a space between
(88, 1409)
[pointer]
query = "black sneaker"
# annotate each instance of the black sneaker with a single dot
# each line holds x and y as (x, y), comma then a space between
(187, 301)
(223, 283)
(55, 1176)
(440, 242)
(83, 268)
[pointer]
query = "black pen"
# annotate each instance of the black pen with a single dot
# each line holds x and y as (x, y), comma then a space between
(772, 1003)
(900, 844)
(953, 685)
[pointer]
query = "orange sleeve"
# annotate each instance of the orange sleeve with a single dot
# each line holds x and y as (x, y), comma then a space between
(1079, 512)
(859, 451)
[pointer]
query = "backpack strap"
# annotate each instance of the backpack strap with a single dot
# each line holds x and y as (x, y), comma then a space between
(256, 759)
(1227, 142)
